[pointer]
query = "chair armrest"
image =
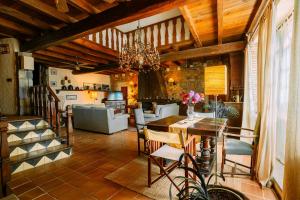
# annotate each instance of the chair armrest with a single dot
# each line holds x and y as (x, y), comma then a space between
(239, 136)
(239, 128)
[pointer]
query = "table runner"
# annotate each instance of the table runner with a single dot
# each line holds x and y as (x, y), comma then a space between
(183, 125)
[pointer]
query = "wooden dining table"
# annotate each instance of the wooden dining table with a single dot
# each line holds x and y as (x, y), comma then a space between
(207, 128)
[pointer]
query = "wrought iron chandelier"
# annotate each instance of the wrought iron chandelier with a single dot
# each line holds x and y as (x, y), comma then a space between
(140, 56)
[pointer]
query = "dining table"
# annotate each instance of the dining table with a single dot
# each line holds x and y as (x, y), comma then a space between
(208, 128)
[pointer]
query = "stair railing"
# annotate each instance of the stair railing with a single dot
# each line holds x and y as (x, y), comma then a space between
(4, 159)
(45, 103)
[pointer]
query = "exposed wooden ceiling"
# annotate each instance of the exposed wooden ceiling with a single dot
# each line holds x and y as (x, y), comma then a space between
(56, 37)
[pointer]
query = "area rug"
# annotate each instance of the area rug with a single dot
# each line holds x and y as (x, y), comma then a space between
(134, 177)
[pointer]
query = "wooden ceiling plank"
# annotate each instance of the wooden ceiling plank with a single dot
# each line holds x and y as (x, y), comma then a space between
(220, 20)
(25, 17)
(105, 6)
(191, 24)
(89, 51)
(49, 10)
(64, 57)
(15, 26)
(54, 64)
(204, 51)
(95, 46)
(99, 68)
(121, 14)
(85, 6)
(85, 56)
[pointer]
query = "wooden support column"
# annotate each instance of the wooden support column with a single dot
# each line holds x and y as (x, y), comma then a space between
(182, 36)
(167, 33)
(112, 38)
(174, 30)
(158, 34)
(70, 137)
(152, 35)
(106, 38)
(145, 38)
(4, 151)
(117, 43)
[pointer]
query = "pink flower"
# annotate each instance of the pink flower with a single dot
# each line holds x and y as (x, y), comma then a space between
(191, 93)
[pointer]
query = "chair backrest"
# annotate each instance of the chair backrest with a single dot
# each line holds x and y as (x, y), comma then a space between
(257, 129)
(139, 118)
(164, 137)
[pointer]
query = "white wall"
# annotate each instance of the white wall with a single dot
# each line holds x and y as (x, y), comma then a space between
(83, 97)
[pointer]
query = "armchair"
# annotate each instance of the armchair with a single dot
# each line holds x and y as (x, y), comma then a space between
(234, 146)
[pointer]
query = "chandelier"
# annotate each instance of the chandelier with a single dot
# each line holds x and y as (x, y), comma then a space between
(140, 56)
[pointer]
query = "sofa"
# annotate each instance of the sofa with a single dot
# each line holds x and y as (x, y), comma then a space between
(98, 119)
(162, 111)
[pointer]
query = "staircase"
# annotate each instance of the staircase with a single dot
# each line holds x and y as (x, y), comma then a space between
(32, 143)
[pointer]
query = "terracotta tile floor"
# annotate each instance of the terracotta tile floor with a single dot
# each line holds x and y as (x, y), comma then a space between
(82, 175)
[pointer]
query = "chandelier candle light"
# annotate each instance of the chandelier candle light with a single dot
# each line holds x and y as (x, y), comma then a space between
(140, 56)
(191, 99)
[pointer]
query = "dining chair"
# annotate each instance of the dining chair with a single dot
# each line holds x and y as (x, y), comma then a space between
(140, 125)
(232, 145)
(161, 148)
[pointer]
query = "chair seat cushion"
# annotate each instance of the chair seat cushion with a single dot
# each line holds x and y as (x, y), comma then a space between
(168, 152)
(237, 147)
(149, 115)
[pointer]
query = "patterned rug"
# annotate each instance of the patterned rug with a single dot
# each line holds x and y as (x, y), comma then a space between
(134, 177)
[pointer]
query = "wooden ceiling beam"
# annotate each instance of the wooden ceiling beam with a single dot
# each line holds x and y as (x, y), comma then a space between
(99, 68)
(50, 59)
(95, 46)
(64, 57)
(191, 24)
(257, 12)
(79, 54)
(49, 10)
(86, 50)
(26, 18)
(121, 14)
(54, 64)
(204, 51)
(220, 20)
(15, 26)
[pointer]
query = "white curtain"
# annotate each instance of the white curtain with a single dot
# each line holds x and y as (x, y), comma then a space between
(250, 87)
(292, 149)
(266, 95)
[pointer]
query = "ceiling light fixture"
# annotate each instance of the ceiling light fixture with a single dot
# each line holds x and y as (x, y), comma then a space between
(140, 56)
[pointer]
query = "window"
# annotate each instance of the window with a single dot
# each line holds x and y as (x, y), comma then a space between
(282, 66)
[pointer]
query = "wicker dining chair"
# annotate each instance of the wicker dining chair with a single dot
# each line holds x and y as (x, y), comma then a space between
(232, 145)
(161, 147)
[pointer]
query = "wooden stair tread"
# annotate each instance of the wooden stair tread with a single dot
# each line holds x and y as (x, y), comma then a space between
(38, 153)
(28, 130)
(32, 140)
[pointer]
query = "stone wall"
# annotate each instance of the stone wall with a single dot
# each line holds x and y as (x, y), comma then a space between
(189, 76)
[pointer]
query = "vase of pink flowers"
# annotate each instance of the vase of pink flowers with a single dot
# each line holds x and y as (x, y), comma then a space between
(190, 99)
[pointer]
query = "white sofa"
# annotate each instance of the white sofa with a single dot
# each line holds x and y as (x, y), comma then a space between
(162, 111)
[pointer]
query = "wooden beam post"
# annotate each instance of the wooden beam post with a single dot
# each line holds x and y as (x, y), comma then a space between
(204, 51)
(70, 136)
(4, 151)
(190, 21)
(220, 20)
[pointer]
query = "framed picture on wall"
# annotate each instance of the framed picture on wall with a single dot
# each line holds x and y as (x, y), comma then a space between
(53, 72)
(71, 97)
(53, 83)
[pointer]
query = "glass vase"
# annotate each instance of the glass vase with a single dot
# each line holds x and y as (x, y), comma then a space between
(190, 112)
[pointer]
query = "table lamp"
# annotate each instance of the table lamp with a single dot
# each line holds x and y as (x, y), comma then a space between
(215, 83)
